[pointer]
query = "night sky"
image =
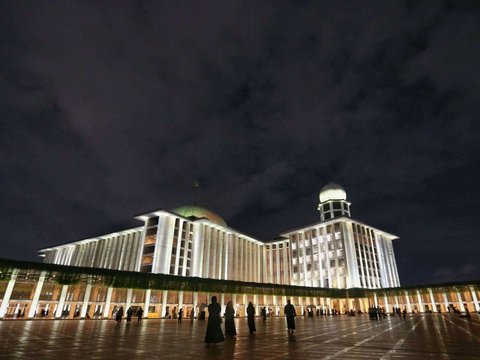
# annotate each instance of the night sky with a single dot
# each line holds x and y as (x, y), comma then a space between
(112, 109)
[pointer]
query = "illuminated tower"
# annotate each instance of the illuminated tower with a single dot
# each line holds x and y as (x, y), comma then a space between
(333, 202)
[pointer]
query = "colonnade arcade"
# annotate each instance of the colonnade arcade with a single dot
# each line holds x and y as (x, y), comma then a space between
(32, 290)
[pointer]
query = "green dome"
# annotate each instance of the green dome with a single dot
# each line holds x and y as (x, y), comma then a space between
(199, 212)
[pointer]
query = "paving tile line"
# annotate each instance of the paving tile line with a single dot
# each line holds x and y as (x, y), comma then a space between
(463, 329)
(356, 332)
(360, 343)
(400, 342)
(365, 325)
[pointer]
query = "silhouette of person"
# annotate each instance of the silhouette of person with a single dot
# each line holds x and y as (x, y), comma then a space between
(139, 315)
(180, 315)
(214, 332)
(264, 314)
(129, 314)
(290, 313)
(230, 329)
(251, 317)
(119, 315)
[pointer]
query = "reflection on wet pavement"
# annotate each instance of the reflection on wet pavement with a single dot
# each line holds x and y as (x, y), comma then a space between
(418, 337)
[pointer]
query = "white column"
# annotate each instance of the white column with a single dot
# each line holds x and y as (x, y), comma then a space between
(460, 301)
(88, 290)
(61, 301)
(147, 303)
(432, 300)
(36, 296)
(275, 307)
(164, 302)
(108, 300)
(255, 300)
(420, 302)
(180, 301)
(397, 304)
(195, 301)
(445, 299)
(222, 304)
(387, 305)
(245, 304)
(8, 293)
(474, 297)
(375, 300)
(129, 299)
(409, 307)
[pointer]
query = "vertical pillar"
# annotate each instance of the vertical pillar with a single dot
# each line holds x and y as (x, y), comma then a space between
(387, 305)
(164, 303)
(420, 302)
(445, 300)
(180, 301)
(36, 296)
(8, 293)
(397, 304)
(83, 310)
(222, 303)
(128, 302)
(195, 302)
(275, 307)
(375, 300)
(245, 304)
(255, 300)
(407, 298)
(474, 298)
(148, 293)
(61, 301)
(460, 301)
(432, 300)
(108, 300)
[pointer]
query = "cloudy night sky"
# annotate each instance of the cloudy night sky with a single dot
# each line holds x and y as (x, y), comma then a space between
(112, 109)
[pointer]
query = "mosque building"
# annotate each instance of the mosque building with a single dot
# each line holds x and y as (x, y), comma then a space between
(336, 252)
(178, 259)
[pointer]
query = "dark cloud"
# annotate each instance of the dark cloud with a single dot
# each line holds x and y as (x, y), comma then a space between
(112, 109)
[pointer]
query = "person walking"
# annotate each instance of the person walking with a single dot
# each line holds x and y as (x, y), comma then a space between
(139, 315)
(290, 313)
(264, 314)
(251, 317)
(230, 329)
(119, 315)
(180, 315)
(214, 332)
(129, 315)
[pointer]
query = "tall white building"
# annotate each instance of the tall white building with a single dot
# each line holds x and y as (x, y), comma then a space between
(340, 252)
(336, 252)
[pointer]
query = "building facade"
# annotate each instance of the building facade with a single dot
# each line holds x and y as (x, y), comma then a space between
(337, 252)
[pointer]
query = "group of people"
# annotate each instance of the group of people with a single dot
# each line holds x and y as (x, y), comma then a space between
(214, 332)
(130, 312)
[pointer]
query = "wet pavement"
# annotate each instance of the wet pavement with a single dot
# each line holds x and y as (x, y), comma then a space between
(417, 337)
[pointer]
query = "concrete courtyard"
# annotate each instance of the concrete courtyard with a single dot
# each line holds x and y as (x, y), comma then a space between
(341, 337)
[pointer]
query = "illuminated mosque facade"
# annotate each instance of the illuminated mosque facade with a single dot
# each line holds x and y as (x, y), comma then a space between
(178, 259)
(336, 252)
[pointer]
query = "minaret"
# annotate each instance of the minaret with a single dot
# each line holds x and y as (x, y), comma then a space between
(333, 202)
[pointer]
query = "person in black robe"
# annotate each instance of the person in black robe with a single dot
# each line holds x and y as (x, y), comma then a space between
(139, 315)
(230, 329)
(119, 315)
(251, 317)
(290, 314)
(214, 331)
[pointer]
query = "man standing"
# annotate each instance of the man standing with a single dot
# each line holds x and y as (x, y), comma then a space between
(290, 314)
